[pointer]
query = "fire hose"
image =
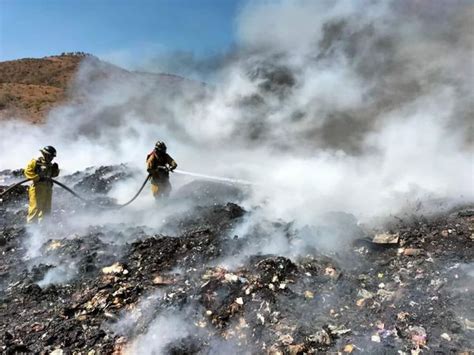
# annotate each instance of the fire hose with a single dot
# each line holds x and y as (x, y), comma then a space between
(118, 206)
(13, 186)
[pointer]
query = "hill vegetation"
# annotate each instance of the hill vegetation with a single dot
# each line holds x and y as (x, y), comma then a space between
(30, 87)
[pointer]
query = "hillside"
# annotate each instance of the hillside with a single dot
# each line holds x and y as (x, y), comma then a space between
(30, 87)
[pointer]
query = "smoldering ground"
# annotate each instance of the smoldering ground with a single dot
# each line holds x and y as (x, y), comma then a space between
(330, 106)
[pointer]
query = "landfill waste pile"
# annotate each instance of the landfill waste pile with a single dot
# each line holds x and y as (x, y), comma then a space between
(198, 283)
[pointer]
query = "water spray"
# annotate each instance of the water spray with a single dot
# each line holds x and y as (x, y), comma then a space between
(216, 178)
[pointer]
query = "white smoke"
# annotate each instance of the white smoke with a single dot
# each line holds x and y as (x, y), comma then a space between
(360, 107)
(164, 330)
(363, 107)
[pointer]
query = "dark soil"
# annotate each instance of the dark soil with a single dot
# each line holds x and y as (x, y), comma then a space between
(415, 295)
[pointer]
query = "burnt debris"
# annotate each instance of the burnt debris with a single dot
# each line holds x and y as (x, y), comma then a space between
(405, 288)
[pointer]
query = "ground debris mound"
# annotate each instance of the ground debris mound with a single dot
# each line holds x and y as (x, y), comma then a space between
(206, 286)
(208, 192)
(99, 180)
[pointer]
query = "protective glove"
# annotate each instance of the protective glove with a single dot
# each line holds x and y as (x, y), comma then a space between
(54, 170)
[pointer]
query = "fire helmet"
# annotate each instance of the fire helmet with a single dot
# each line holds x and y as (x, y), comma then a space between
(160, 146)
(49, 150)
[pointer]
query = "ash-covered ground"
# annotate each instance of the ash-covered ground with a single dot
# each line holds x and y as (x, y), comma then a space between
(199, 274)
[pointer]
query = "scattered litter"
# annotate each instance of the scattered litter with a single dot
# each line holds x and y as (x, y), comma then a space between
(446, 336)
(231, 277)
(386, 238)
(418, 335)
(160, 280)
(338, 330)
(468, 324)
(348, 348)
(116, 268)
(375, 338)
(403, 316)
(321, 337)
(286, 339)
(411, 252)
(54, 244)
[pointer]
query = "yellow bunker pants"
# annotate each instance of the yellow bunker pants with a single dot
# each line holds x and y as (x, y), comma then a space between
(160, 188)
(40, 201)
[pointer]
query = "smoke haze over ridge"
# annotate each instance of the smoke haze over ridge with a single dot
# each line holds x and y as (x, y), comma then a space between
(334, 105)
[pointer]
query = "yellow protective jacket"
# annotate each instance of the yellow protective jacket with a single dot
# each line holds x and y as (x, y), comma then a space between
(154, 160)
(40, 192)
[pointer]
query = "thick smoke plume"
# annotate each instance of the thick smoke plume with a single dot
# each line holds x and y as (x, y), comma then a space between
(361, 107)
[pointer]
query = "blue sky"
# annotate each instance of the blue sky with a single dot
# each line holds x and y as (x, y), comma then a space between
(115, 29)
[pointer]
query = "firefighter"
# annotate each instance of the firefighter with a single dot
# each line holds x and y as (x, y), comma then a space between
(159, 164)
(41, 171)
